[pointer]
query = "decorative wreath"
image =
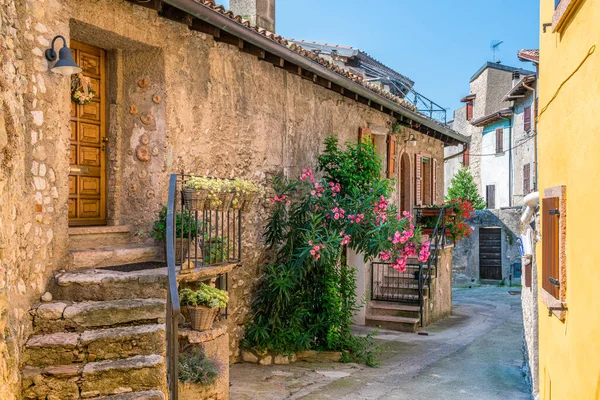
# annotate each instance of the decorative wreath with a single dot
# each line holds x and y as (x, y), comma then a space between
(81, 89)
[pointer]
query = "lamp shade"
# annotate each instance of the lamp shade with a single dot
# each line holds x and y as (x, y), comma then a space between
(65, 64)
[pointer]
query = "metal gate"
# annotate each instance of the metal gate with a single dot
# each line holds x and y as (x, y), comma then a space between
(490, 253)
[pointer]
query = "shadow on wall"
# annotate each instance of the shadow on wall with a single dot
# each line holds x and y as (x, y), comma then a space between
(466, 255)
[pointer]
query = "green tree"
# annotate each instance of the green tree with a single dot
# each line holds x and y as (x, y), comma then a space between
(463, 186)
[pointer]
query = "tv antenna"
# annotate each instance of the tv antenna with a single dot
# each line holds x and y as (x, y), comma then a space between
(495, 46)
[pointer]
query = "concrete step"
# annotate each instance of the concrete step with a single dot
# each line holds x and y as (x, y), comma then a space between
(104, 378)
(394, 296)
(94, 345)
(103, 284)
(56, 317)
(392, 309)
(146, 395)
(403, 324)
(114, 255)
(98, 236)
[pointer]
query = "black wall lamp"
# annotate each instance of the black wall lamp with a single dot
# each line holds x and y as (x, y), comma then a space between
(65, 64)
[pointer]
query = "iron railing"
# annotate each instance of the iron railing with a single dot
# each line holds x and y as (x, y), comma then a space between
(196, 239)
(410, 286)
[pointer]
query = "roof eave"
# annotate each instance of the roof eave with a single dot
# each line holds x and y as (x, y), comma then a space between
(488, 119)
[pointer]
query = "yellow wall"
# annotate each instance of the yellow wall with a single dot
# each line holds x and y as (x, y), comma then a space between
(569, 154)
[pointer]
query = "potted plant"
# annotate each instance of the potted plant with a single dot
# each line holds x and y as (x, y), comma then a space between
(198, 374)
(195, 191)
(202, 305)
(457, 210)
(245, 194)
(186, 228)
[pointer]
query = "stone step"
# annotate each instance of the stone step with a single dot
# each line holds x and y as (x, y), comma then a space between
(401, 297)
(56, 317)
(98, 236)
(117, 255)
(403, 324)
(393, 309)
(146, 395)
(104, 378)
(94, 345)
(103, 284)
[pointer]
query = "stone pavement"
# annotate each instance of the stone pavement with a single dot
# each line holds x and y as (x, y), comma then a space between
(474, 354)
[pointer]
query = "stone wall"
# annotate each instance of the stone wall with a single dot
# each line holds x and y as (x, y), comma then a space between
(441, 306)
(177, 101)
(466, 252)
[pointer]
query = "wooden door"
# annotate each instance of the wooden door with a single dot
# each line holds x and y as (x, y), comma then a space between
(490, 253)
(87, 176)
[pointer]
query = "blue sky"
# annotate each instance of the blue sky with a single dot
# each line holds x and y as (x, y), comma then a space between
(439, 44)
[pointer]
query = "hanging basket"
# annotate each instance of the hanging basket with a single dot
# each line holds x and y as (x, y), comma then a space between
(248, 201)
(220, 202)
(202, 317)
(194, 199)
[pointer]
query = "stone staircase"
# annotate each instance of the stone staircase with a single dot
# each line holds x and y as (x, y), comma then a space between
(103, 334)
(402, 312)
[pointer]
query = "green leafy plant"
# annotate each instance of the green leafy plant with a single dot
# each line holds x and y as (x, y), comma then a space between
(186, 225)
(206, 296)
(216, 249)
(196, 368)
(463, 187)
(307, 295)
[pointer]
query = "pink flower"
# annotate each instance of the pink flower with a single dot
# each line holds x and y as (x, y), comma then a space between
(310, 242)
(313, 252)
(336, 216)
(272, 201)
(317, 247)
(312, 192)
(317, 257)
(385, 255)
(400, 264)
(288, 202)
(397, 238)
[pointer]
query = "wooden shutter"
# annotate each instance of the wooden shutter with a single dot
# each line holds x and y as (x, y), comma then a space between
(470, 110)
(364, 134)
(418, 179)
(434, 183)
(527, 119)
(550, 245)
(391, 156)
(526, 179)
(466, 156)
(499, 140)
(490, 194)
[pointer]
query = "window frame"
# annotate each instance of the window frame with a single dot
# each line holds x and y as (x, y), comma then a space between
(487, 197)
(527, 118)
(526, 179)
(563, 10)
(470, 109)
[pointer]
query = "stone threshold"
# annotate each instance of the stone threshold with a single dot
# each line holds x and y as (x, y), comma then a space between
(98, 230)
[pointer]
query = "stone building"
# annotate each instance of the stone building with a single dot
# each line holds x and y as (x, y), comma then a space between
(180, 85)
(488, 118)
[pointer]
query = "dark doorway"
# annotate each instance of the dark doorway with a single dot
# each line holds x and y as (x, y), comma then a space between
(405, 183)
(490, 253)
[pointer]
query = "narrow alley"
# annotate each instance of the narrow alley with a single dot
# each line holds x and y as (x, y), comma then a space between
(474, 354)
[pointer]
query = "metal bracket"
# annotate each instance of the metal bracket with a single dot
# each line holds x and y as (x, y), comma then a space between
(561, 308)
(554, 212)
(554, 281)
(546, 25)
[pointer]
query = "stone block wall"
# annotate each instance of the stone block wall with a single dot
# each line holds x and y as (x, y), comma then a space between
(466, 252)
(440, 300)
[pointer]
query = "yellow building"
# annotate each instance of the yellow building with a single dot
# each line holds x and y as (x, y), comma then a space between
(569, 187)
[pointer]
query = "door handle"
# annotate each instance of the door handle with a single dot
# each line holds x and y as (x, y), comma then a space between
(105, 139)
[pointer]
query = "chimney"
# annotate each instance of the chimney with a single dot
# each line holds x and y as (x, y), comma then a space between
(258, 12)
(516, 77)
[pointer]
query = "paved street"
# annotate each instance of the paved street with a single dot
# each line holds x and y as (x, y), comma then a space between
(474, 354)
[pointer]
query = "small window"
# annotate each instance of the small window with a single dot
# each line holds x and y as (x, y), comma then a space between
(425, 180)
(391, 156)
(526, 179)
(499, 140)
(490, 196)
(469, 110)
(365, 135)
(556, 3)
(527, 119)
(466, 160)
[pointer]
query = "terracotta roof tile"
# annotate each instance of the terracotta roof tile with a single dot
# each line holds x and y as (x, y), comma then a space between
(308, 54)
(529, 55)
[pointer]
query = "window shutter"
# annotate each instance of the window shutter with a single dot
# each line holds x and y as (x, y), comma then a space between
(491, 196)
(550, 245)
(526, 179)
(466, 157)
(364, 134)
(499, 140)
(418, 179)
(391, 156)
(470, 110)
(527, 118)
(434, 183)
